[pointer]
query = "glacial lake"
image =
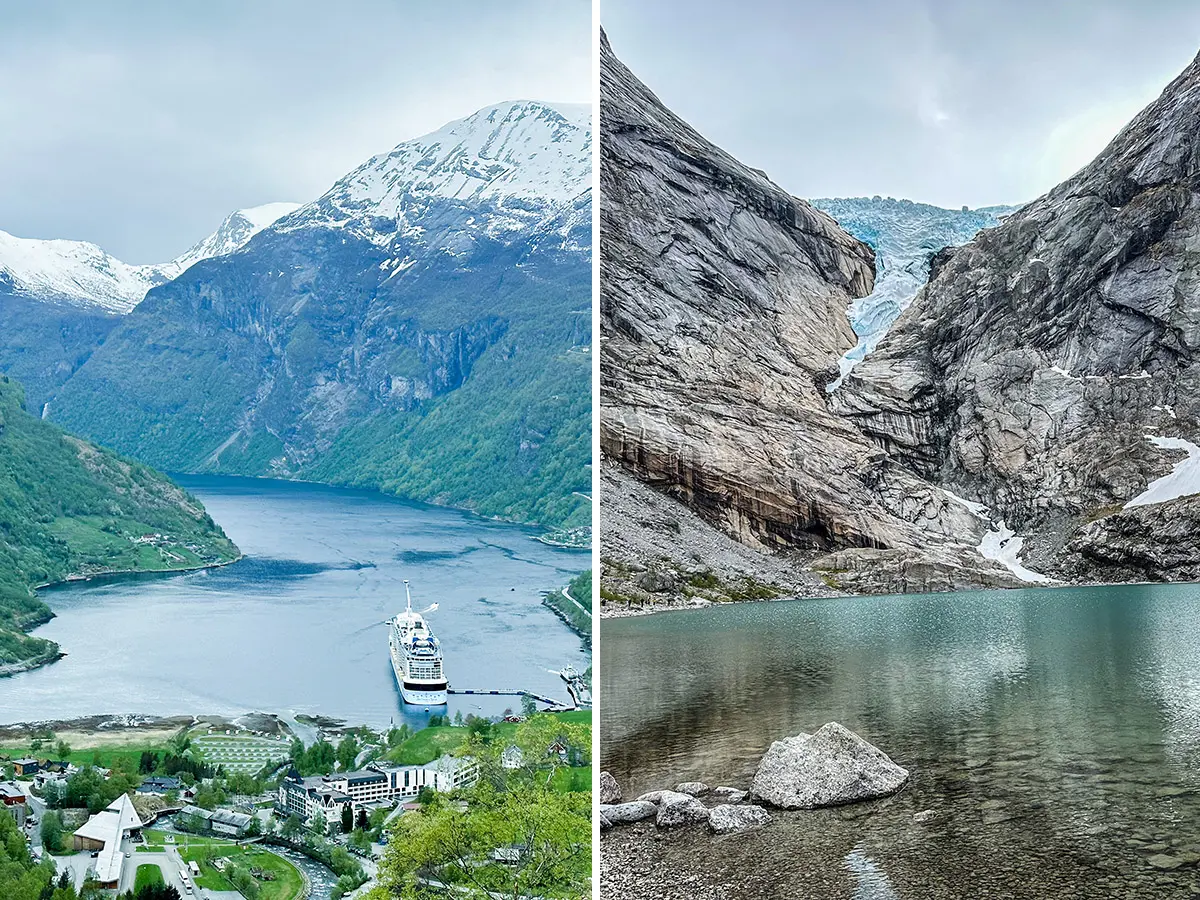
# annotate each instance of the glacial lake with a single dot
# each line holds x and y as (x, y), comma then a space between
(1054, 735)
(298, 626)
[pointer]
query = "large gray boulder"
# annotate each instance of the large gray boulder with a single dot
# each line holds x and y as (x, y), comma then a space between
(628, 813)
(829, 768)
(728, 818)
(694, 788)
(610, 791)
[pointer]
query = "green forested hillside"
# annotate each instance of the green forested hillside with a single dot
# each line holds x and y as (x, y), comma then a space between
(461, 380)
(69, 508)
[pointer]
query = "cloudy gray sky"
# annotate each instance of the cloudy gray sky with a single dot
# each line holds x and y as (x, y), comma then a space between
(140, 125)
(944, 101)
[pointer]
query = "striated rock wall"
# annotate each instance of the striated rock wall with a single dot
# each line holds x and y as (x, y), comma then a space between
(1034, 365)
(723, 309)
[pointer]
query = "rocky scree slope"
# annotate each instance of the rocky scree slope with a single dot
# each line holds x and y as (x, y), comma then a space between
(68, 509)
(422, 328)
(1048, 364)
(723, 306)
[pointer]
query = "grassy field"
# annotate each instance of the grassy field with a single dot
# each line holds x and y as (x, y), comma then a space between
(577, 779)
(288, 883)
(430, 743)
(101, 752)
(247, 753)
(156, 840)
(147, 874)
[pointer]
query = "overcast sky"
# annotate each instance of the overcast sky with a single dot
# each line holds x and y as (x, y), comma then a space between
(944, 101)
(140, 125)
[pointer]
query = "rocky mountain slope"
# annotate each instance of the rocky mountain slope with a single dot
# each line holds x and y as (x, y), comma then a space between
(60, 299)
(422, 328)
(723, 307)
(905, 236)
(1047, 370)
(69, 508)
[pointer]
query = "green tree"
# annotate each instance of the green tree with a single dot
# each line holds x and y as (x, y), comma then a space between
(347, 752)
(548, 833)
(62, 750)
(52, 831)
(347, 819)
(528, 706)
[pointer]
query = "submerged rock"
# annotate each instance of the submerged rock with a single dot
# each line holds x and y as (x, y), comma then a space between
(829, 768)
(731, 794)
(694, 788)
(727, 818)
(676, 809)
(610, 791)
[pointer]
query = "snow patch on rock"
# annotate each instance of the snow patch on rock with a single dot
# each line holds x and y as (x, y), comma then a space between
(1004, 546)
(1182, 480)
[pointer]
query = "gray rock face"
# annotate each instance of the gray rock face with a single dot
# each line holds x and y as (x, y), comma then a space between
(1142, 543)
(610, 791)
(627, 813)
(1034, 365)
(675, 809)
(727, 818)
(723, 305)
(834, 766)
(694, 788)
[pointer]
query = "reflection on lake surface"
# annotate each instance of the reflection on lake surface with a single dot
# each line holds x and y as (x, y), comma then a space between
(297, 626)
(1054, 734)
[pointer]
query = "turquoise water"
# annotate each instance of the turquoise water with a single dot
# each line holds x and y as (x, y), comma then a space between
(297, 626)
(1055, 735)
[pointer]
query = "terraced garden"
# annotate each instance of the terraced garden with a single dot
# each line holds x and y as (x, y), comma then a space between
(248, 753)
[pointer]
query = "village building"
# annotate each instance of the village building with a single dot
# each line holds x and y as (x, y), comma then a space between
(159, 784)
(25, 768)
(14, 799)
(105, 832)
(373, 787)
(224, 822)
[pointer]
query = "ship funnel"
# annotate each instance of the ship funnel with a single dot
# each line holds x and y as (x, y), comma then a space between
(408, 595)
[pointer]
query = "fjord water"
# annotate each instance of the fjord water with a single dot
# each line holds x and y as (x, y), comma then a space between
(1054, 734)
(297, 626)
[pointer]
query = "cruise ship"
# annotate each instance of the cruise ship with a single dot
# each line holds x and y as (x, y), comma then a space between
(416, 657)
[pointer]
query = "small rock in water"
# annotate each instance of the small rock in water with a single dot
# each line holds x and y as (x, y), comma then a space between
(694, 788)
(656, 797)
(610, 791)
(680, 809)
(831, 767)
(626, 813)
(924, 815)
(727, 818)
(1163, 861)
(733, 795)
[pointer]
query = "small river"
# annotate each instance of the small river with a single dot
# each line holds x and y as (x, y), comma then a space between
(297, 627)
(1054, 734)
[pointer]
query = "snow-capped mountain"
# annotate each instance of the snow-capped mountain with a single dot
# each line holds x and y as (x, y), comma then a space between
(905, 236)
(518, 166)
(79, 273)
(239, 226)
(423, 327)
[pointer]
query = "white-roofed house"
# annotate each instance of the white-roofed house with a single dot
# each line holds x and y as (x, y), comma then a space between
(105, 832)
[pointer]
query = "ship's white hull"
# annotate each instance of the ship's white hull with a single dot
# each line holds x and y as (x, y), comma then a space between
(423, 698)
(413, 692)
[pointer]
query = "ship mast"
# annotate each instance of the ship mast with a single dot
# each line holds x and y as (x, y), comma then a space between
(407, 594)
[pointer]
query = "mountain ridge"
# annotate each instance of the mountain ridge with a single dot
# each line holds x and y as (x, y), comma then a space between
(413, 336)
